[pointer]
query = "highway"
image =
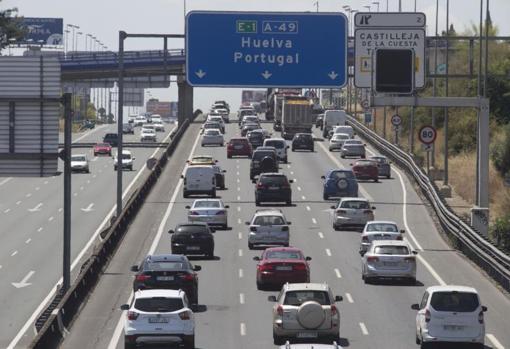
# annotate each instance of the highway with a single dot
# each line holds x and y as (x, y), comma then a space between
(32, 219)
(233, 313)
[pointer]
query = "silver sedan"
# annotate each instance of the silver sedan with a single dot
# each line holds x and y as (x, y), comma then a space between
(211, 211)
(389, 259)
(379, 230)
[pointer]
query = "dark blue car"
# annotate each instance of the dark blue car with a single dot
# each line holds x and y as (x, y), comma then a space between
(340, 183)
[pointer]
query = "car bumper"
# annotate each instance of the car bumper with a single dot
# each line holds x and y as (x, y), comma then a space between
(267, 240)
(105, 152)
(335, 146)
(191, 249)
(334, 331)
(366, 176)
(373, 271)
(148, 139)
(239, 153)
(277, 196)
(282, 277)
(340, 193)
(79, 168)
(353, 154)
(384, 171)
(211, 220)
(426, 337)
(156, 338)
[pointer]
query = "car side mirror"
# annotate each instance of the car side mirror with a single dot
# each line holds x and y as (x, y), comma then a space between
(484, 308)
(187, 206)
(339, 298)
(227, 206)
(197, 268)
(224, 171)
(135, 268)
(247, 223)
(415, 306)
(287, 147)
(373, 207)
(308, 258)
(402, 231)
(323, 177)
(289, 223)
(350, 164)
(256, 258)
(415, 252)
(182, 176)
(271, 298)
(291, 181)
(124, 307)
(134, 158)
(332, 207)
(215, 160)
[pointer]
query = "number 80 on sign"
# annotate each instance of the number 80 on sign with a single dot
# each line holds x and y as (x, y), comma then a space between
(427, 134)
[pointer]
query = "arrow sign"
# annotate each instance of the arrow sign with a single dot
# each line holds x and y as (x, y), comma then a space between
(200, 73)
(266, 75)
(37, 208)
(24, 283)
(88, 208)
(332, 75)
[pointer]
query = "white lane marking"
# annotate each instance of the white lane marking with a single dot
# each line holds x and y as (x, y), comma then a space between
(292, 173)
(288, 166)
(238, 188)
(120, 324)
(321, 235)
(241, 298)
(314, 221)
(23, 282)
(100, 171)
(239, 221)
(37, 188)
(240, 252)
(7, 210)
(339, 164)
(240, 235)
(294, 179)
(36, 208)
(242, 329)
(14, 253)
(50, 219)
(88, 181)
(39, 229)
(28, 195)
(237, 160)
(495, 343)
(18, 202)
(75, 194)
(5, 181)
(299, 188)
(60, 209)
(363, 329)
(94, 176)
(238, 198)
(337, 273)
(237, 173)
(238, 208)
(238, 181)
(308, 208)
(45, 182)
(349, 298)
(241, 273)
(328, 252)
(82, 187)
(28, 241)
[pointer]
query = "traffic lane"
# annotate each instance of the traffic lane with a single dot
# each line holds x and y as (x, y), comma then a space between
(97, 321)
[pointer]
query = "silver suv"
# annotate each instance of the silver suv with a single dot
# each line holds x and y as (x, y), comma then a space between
(268, 227)
(305, 311)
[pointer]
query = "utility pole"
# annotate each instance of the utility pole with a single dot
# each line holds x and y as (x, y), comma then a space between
(446, 110)
(477, 190)
(68, 129)
(434, 86)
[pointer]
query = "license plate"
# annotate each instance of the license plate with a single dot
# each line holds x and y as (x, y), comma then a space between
(165, 278)
(273, 188)
(193, 185)
(158, 320)
(238, 147)
(453, 327)
(390, 264)
(284, 268)
(193, 248)
(307, 335)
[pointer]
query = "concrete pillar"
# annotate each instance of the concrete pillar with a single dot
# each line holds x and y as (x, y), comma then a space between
(185, 103)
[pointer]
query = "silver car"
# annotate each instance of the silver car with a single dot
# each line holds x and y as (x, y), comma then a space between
(305, 311)
(353, 150)
(337, 141)
(353, 212)
(211, 211)
(80, 163)
(379, 230)
(268, 227)
(389, 259)
(310, 346)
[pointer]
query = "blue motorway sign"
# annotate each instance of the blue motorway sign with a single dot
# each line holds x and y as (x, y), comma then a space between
(43, 31)
(265, 49)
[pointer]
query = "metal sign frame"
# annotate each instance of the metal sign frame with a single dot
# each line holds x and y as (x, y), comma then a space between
(391, 19)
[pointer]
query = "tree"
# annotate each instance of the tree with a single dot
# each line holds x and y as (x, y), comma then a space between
(10, 26)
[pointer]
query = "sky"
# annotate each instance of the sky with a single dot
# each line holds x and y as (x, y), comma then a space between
(104, 19)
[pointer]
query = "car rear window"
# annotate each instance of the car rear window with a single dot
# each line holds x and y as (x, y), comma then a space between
(262, 154)
(191, 229)
(365, 163)
(255, 135)
(277, 180)
(200, 204)
(304, 136)
(238, 141)
(461, 302)
(276, 144)
(212, 132)
(382, 227)
(284, 255)
(342, 175)
(126, 156)
(354, 146)
(159, 304)
(268, 220)
(299, 297)
(356, 205)
(162, 265)
(379, 160)
(391, 250)
(78, 158)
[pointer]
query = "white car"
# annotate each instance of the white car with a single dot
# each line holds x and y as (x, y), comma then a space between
(159, 316)
(353, 212)
(217, 119)
(268, 227)
(250, 119)
(212, 137)
(450, 314)
(127, 160)
(156, 118)
(140, 120)
(80, 163)
(343, 129)
(280, 146)
(379, 230)
(389, 259)
(211, 211)
(337, 141)
(158, 126)
(199, 179)
(147, 135)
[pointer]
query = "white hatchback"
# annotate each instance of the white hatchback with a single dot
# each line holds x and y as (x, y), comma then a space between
(212, 136)
(450, 314)
(159, 316)
(352, 212)
(379, 230)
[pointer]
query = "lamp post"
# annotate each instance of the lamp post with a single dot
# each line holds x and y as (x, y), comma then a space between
(316, 6)
(77, 37)
(376, 3)
(66, 38)
(368, 7)
(348, 104)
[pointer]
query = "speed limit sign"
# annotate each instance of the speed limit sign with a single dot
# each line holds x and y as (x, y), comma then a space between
(427, 134)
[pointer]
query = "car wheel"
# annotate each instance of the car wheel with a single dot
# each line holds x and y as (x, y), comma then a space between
(362, 156)
(342, 156)
(189, 342)
(336, 227)
(115, 168)
(210, 255)
(257, 203)
(325, 197)
(417, 339)
(289, 202)
(286, 160)
(185, 194)
(213, 193)
(95, 154)
(277, 340)
(293, 149)
(412, 281)
(260, 286)
(424, 345)
(388, 176)
(250, 246)
(128, 345)
(130, 168)
(376, 180)
(229, 156)
(312, 150)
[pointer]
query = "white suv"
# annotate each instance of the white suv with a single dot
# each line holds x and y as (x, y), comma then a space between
(268, 227)
(159, 316)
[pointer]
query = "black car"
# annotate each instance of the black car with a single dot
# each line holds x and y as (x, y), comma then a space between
(263, 160)
(111, 138)
(303, 141)
(219, 175)
(273, 187)
(168, 271)
(256, 138)
(192, 239)
(319, 121)
(249, 127)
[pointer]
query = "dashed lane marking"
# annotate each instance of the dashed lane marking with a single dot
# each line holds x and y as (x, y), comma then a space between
(241, 298)
(241, 273)
(314, 221)
(39, 229)
(321, 235)
(303, 197)
(328, 252)
(28, 241)
(240, 252)
(14, 253)
(7, 210)
(363, 329)
(51, 218)
(299, 188)
(18, 202)
(349, 298)
(238, 208)
(242, 329)
(337, 273)
(240, 235)
(495, 343)
(308, 208)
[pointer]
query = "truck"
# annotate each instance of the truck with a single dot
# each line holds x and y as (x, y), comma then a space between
(297, 116)
(333, 118)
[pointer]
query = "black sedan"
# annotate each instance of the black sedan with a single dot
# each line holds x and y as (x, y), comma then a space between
(273, 187)
(303, 141)
(167, 271)
(193, 239)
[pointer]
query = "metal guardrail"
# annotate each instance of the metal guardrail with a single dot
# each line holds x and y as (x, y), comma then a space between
(64, 308)
(124, 144)
(475, 246)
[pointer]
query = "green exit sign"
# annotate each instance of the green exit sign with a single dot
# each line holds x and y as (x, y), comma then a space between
(246, 26)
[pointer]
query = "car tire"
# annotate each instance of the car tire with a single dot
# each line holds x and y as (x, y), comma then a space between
(189, 342)
(325, 197)
(213, 193)
(250, 246)
(210, 255)
(129, 345)
(388, 176)
(336, 227)
(424, 345)
(257, 203)
(289, 203)
(95, 154)
(411, 281)
(293, 149)
(185, 194)
(286, 160)
(115, 168)
(376, 180)
(130, 168)
(260, 286)
(417, 339)
(229, 156)
(277, 340)
(342, 156)
(368, 280)
(312, 150)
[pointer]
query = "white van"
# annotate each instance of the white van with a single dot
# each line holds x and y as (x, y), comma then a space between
(343, 129)
(199, 179)
(281, 147)
(333, 118)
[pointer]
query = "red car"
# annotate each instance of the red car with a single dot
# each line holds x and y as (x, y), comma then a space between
(239, 146)
(366, 169)
(102, 148)
(279, 265)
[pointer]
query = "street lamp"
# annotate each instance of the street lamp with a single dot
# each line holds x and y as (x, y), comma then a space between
(77, 37)
(86, 41)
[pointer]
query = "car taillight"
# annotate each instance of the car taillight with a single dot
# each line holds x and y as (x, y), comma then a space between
(400, 237)
(185, 315)
(334, 310)
(132, 315)
(341, 212)
(142, 277)
(260, 186)
(364, 239)
(480, 317)
(299, 267)
(367, 211)
(279, 310)
(427, 315)
(220, 213)
(194, 213)
(187, 277)
(265, 267)
(372, 259)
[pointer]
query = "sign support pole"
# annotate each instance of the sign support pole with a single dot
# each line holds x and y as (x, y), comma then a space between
(122, 37)
(68, 129)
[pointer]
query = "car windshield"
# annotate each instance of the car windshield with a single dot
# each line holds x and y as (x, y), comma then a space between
(391, 250)
(388, 227)
(162, 265)
(284, 255)
(273, 180)
(268, 220)
(459, 302)
(158, 304)
(204, 203)
(353, 141)
(78, 158)
(102, 145)
(355, 204)
(364, 163)
(354, 146)
(342, 175)
(379, 160)
(297, 298)
(126, 156)
(276, 144)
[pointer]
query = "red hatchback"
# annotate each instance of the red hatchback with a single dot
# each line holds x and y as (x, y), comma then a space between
(366, 169)
(279, 265)
(102, 148)
(239, 146)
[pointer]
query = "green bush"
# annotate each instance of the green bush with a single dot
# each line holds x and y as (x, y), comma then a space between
(500, 152)
(501, 232)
